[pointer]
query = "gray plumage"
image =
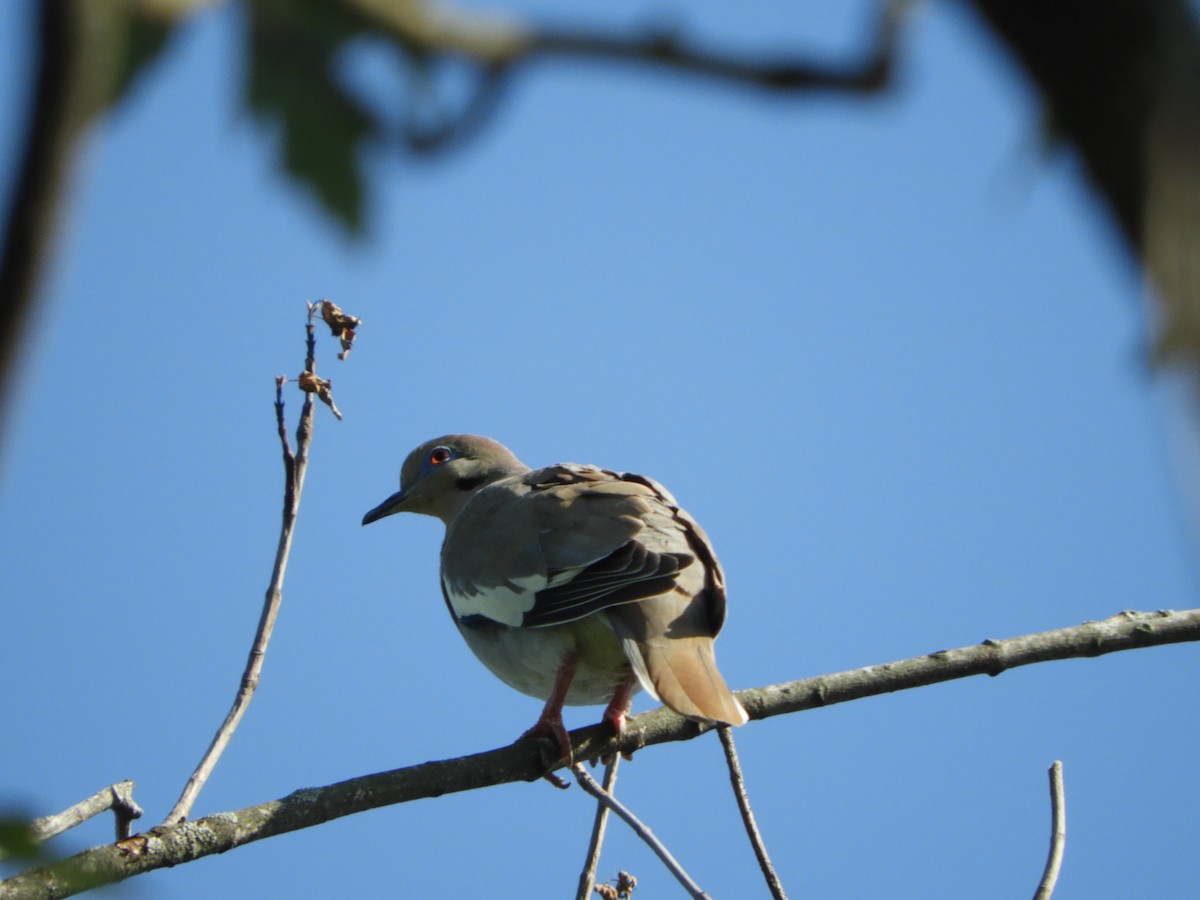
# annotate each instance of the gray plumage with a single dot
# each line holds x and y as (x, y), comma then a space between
(573, 584)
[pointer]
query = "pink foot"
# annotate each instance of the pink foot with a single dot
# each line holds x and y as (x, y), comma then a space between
(617, 712)
(552, 726)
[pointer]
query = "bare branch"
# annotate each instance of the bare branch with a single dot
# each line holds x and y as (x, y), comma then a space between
(117, 797)
(588, 783)
(587, 877)
(522, 761)
(1124, 631)
(1058, 834)
(294, 466)
(774, 885)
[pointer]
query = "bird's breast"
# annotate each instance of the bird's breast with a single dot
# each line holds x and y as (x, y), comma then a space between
(528, 659)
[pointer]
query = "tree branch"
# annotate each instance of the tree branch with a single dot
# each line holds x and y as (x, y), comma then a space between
(498, 43)
(55, 120)
(117, 797)
(170, 846)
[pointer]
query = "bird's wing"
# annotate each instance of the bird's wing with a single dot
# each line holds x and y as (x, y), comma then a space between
(558, 544)
(669, 638)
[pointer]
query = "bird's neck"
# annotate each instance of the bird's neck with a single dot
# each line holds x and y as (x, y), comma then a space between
(466, 488)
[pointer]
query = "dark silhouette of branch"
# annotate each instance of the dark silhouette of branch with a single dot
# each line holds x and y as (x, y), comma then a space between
(500, 47)
(170, 846)
(506, 43)
(54, 121)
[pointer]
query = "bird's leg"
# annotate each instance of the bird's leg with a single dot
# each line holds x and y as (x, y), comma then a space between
(618, 707)
(550, 722)
(617, 710)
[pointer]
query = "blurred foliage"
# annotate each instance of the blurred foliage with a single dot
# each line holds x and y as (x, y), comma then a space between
(292, 46)
(16, 840)
(141, 39)
(290, 83)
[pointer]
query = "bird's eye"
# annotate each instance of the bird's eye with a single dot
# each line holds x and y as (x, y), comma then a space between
(439, 455)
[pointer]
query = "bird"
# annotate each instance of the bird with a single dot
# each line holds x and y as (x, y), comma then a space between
(573, 584)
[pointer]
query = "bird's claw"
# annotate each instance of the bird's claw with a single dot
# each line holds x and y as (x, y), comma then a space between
(552, 737)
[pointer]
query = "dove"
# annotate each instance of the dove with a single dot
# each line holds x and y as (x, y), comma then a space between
(573, 584)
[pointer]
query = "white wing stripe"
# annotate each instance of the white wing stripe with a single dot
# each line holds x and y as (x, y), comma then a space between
(503, 603)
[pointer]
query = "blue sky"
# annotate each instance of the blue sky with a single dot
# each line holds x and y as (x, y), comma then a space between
(887, 351)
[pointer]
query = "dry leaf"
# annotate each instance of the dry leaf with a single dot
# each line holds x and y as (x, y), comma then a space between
(341, 325)
(311, 384)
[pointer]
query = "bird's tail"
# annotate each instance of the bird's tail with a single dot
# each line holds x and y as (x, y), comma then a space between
(683, 674)
(680, 670)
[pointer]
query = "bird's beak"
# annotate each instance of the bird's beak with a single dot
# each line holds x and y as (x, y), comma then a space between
(392, 504)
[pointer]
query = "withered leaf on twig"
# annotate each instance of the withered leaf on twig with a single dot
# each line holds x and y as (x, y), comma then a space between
(341, 325)
(311, 384)
(623, 889)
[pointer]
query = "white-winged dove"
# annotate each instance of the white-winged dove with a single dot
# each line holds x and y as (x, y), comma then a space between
(573, 584)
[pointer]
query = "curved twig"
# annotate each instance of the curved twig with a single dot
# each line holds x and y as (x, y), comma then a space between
(774, 885)
(1058, 834)
(587, 877)
(294, 466)
(588, 783)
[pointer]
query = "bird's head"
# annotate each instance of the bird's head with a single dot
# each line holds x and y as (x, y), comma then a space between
(442, 474)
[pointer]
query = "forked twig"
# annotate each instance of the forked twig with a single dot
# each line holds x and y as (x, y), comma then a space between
(1058, 834)
(294, 465)
(588, 783)
(743, 801)
(588, 876)
(117, 797)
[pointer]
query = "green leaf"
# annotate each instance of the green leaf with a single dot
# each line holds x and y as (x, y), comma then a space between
(16, 841)
(293, 44)
(112, 44)
(141, 44)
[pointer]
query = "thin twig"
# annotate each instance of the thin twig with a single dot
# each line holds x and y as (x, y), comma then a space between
(588, 783)
(117, 797)
(1058, 834)
(294, 469)
(587, 877)
(743, 801)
